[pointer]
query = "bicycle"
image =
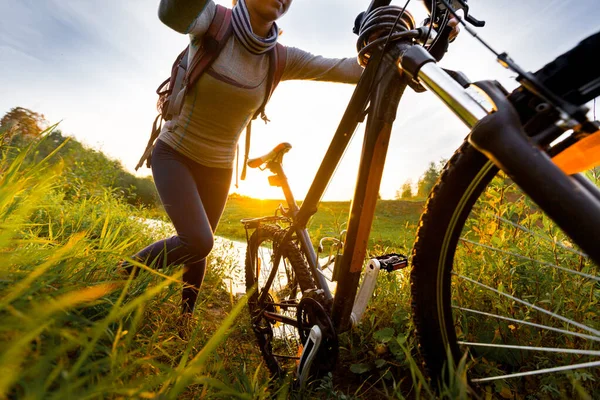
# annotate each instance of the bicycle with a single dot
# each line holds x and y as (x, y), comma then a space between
(515, 180)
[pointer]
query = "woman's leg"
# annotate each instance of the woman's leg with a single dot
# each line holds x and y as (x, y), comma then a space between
(178, 193)
(213, 187)
(194, 197)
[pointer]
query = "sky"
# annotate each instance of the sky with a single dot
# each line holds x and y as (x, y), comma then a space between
(94, 65)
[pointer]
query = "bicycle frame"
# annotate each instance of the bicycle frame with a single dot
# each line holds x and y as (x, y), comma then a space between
(502, 141)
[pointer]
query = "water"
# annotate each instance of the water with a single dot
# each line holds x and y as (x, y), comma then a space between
(234, 281)
(233, 249)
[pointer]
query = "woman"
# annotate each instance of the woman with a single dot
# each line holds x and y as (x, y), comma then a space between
(193, 158)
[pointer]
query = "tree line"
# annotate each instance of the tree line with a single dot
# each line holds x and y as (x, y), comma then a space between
(87, 172)
(425, 183)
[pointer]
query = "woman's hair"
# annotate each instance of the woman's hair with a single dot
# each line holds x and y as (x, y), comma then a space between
(234, 2)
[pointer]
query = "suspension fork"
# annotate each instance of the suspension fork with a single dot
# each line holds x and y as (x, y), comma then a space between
(571, 204)
(385, 97)
(501, 138)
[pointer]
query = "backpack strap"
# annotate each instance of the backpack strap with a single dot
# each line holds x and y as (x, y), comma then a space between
(277, 60)
(215, 38)
(150, 146)
(178, 73)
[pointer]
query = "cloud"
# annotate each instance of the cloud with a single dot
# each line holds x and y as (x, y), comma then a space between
(46, 30)
(95, 65)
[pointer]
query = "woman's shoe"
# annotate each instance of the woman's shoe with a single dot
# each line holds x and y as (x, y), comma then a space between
(125, 269)
(186, 322)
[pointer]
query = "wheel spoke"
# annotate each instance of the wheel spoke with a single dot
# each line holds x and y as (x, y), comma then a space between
(543, 237)
(533, 348)
(542, 263)
(540, 371)
(540, 309)
(520, 321)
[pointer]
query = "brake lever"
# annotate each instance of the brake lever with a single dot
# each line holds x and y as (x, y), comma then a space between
(462, 5)
(474, 21)
(468, 17)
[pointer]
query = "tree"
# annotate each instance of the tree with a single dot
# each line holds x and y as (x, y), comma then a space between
(22, 121)
(406, 191)
(429, 178)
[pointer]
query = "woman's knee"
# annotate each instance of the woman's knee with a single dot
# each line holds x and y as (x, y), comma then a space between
(199, 247)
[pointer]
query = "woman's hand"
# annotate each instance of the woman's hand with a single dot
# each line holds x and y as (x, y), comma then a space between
(455, 29)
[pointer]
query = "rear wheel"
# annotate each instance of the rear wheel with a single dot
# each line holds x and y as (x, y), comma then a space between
(274, 319)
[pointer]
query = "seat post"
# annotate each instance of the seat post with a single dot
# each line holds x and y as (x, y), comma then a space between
(282, 181)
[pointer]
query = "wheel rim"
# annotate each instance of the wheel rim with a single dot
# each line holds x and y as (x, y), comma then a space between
(525, 302)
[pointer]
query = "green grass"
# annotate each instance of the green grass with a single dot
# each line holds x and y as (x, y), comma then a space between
(71, 327)
(394, 224)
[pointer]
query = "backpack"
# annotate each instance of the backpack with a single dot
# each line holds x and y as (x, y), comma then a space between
(172, 91)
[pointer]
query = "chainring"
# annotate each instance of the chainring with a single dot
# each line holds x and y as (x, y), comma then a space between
(312, 312)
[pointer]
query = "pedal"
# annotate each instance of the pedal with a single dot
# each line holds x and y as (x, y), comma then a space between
(309, 352)
(392, 262)
(389, 263)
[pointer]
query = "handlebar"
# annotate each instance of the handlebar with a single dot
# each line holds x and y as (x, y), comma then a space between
(378, 14)
(439, 5)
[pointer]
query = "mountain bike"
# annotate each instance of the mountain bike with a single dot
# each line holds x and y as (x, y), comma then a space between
(505, 262)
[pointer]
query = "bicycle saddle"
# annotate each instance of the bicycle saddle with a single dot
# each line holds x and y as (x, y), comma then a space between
(274, 155)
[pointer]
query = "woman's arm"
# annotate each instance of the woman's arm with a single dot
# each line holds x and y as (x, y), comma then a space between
(304, 65)
(180, 14)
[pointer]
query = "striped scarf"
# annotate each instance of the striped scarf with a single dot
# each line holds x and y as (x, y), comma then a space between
(243, 31)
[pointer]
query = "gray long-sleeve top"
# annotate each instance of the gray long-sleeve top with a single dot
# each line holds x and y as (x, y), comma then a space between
(225, 98)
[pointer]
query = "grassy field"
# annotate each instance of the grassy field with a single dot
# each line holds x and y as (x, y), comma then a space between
(72, 327)
(394, 225)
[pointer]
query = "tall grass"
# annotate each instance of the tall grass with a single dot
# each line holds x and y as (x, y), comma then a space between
(510, 245)
(71, 327)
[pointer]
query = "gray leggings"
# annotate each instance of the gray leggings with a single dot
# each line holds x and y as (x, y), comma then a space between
(194, 197)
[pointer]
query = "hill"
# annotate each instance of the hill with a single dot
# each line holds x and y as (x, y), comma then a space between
(394, 224)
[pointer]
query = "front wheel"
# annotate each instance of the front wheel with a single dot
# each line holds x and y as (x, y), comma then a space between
(273, 319)
(496, 281)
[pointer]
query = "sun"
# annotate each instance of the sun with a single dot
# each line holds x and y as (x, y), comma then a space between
(256, 185)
